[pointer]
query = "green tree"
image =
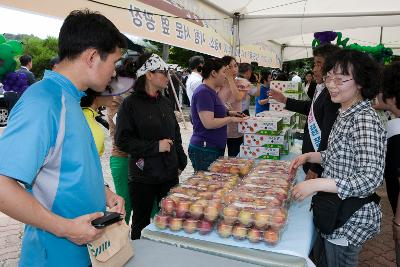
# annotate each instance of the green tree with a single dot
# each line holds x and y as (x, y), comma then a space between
(41, 51)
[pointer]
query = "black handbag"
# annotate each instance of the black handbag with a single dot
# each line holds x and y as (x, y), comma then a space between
(331, 212)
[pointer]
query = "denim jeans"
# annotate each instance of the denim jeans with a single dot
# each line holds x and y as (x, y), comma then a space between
(341, 256)
(202, 157)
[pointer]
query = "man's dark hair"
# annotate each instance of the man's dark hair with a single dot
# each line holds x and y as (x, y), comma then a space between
(227, 60)
(325, 50)
(195, 62)
(84, 29)
(365, 70)
(54, 61)
(309, 72)
(391, 82)
(244, 67)
(25, 60)
(210, 65)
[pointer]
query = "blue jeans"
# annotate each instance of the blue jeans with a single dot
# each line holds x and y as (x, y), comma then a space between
(202, 157)
(341, 256)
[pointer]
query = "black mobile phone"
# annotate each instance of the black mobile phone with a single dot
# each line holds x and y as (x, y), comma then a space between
(107, 219)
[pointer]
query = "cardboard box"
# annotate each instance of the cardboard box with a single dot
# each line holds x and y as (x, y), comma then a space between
(288, 117)
(286, 86)
(260, 125)
(276, 106)
(282, 141)
(259, 152)
(297, 96)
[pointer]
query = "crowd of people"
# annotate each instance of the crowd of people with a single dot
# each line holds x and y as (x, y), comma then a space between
(55, 137)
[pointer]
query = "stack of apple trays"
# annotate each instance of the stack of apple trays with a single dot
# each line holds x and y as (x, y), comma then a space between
(258, 208)
(195, 205)
(232, 165)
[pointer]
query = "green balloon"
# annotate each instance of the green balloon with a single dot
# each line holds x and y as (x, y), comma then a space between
(9, 65)
(17, 47)
(6, 52)
(2, 39)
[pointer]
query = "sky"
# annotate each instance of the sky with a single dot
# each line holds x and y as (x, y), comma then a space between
(13, 21)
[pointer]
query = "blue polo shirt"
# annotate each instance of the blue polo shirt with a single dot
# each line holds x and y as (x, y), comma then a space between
(48, 146)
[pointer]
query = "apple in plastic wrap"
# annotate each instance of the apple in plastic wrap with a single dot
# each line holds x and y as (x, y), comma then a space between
(278, 218)
(224, 229)
(262, 218)
(211, 213)
(230, 214)
(175, 224)
(246, 217)
(204, 227)
(161, 221)
(254, 235)
(196, 210)
(182, 208)
(239, 232)
(271, 237)
(168, 205)
(190, 225)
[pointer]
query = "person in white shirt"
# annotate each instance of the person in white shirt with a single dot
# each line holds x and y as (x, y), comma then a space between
(295, 78)
(194, 80)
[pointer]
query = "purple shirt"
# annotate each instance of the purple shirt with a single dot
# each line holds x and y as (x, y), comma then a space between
(206, 99)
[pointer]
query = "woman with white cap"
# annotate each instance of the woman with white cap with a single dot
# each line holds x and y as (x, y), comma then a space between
(147, 129)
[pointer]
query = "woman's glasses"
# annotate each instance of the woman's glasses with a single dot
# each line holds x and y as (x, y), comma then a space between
(336, 80)
(165, 72)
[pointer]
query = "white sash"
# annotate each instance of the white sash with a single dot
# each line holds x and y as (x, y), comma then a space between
(313, 128)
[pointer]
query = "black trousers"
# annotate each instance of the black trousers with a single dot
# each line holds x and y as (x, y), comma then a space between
(142, 198)
(234, 146)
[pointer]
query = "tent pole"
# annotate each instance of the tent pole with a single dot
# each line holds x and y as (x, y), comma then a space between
(235, 29)
(176, 100)
(380, 38)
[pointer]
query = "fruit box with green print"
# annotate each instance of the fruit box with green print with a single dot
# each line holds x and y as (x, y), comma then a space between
(260, 125)
(259, 152)
(286, 86)
(288, 117)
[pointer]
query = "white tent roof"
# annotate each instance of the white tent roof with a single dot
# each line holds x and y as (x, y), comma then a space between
(293, 22)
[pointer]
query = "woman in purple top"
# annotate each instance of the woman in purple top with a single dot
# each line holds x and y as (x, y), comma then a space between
(210, 117)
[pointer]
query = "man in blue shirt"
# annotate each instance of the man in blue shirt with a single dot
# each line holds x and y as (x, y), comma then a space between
(48, 147)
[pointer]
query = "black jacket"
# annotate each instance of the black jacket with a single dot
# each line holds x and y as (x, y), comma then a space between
(142, 122)
(325, 112)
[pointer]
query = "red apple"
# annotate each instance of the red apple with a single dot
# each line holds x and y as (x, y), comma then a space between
(224, 229)
(175, 224)
(168, 205)
(161, 221)
(204, 227)
(271, 237)
(230, 214)
(254, 235)
(246, 217)
(239, 232)
(278, 218)
(182, 208)
(190, 225)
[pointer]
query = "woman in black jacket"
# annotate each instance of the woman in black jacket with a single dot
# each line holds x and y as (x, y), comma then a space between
(147, 129)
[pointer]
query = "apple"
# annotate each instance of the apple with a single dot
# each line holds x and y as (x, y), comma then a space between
(271, 237)
(239, 232)
(262, 218)
(196, 210)
(190, 225)
(205, 195)
(161, 221)
(254, 235)
(168, 205)
(234, 169)
(175, 224)
(204, 227)
(182, 208)
(224, 229)
(211, 213)
(278, 218)
(246, 217)
(230, 214)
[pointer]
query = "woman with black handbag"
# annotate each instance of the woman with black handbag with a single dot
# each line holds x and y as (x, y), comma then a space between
(353, 162)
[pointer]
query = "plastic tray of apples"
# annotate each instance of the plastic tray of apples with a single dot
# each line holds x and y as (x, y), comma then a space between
(259, 199)
(231, 165)
(240, 232)
(189, 225)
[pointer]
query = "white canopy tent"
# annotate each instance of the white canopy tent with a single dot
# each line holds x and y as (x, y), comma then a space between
(288, 26)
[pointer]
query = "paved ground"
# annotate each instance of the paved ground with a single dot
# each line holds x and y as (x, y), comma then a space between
(375, 253)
